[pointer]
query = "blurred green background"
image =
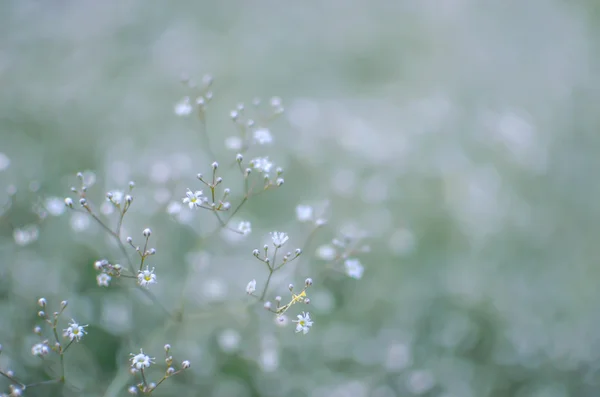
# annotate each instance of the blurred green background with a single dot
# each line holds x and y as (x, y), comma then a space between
(462, 136)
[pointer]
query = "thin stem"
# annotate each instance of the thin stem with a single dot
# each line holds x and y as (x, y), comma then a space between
(43, 382)
(144, 378)
(262, 296)
(60, 353)
(113, 234)
(12, 379)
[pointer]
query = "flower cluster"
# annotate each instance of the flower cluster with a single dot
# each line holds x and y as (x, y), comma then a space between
(141, 361)
(257, 174)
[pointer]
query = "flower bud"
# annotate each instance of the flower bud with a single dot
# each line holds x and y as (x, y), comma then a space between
(82, 201)
(307, 300)
(308, 282)
(69, 202)
(185, 364)
(278, 298)
(129, 240)
(267, 305)
(167, 348)
(255, 252)
(215, 165)
(291, 287)
(239, 158)
(42, 302)
(147, 232)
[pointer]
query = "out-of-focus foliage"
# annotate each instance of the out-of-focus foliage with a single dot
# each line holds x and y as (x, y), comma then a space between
(463, 136)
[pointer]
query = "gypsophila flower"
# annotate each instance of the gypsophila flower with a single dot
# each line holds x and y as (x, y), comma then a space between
(261, 164)
(133, 390)
(279, 239)
(354, 268)
(251, 287)
(303, 323)
(146, 277)
(183, 107)
(263, 136)
(103, 279)
(234, 143)
(304, 213)
(326, 252)
(115, 197)
(75, 331)
(193, 199)
(245, 227)
(281, 320)
(40, 349)
(140, 361)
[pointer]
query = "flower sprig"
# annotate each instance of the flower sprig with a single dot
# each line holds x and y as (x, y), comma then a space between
(73, 333)
(141, 361)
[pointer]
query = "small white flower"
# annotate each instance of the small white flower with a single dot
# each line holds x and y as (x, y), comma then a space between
(103, 279)
(275, 102)
(193, 199)
(140, 361)
(282, 320)
(326, 252)
(115, 197)
(263, 136)
(40, 349)
(55, 206)
(234, 143)
(251, 287)
(303, 323)
(245, 227)
(279, 238)
(146, 277)
(75, 331)
(183, 107)
(304, 213)
(354, 268)
(262, 164)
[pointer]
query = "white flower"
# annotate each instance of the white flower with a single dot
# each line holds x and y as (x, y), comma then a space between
(183, 107)
(326, 252)
(303, 323)
(263, 136)
(115, 197)
(282, 320)
(75, 331)
(262, 164)
(140, 361)
(103, 279)
(251, 287)
(234, 143)
(146, 277)
(354, 268)
(275, 102)
(304, 213)
(279, 238)
(193, 199)
(40, 349)
(245, 227)
(55, 206)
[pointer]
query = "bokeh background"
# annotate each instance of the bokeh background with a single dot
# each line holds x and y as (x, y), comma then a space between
(461, 136)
